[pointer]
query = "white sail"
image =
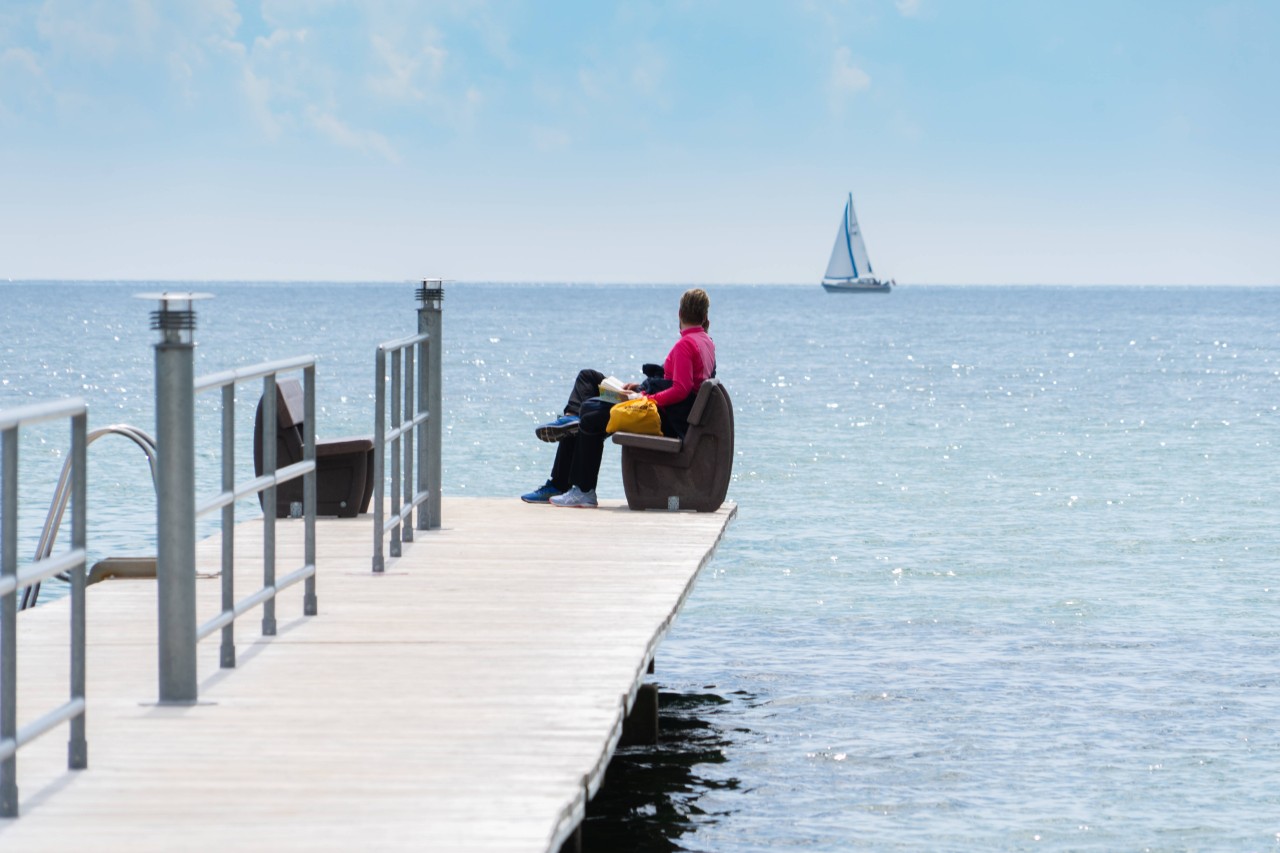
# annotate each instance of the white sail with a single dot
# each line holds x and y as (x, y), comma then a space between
(857, 248)
(840, 267)
(849, 255)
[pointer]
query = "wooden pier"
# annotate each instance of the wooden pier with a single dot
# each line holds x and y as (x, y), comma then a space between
(469, 698)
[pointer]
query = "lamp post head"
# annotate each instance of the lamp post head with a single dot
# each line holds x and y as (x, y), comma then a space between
(430, 291)
(176, 318)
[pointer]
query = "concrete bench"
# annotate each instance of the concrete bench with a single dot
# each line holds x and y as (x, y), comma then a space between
(690, 473)
(344, 466)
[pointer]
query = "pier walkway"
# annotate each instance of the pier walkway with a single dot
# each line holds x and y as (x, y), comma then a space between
(468, 699)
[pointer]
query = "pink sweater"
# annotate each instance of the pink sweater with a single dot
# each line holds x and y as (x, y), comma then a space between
(690, 362)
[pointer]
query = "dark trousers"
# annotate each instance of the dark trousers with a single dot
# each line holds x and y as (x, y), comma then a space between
(586, 386)
(578, 456)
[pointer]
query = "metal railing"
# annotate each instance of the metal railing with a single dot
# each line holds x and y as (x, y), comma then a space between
(62, 494)
(13, 580)
(415, 405)
(176, 509)
(267, 483)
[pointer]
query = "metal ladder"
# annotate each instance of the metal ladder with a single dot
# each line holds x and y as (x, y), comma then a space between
(62, 494)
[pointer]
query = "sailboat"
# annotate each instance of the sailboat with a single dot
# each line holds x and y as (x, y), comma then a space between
(849, 270)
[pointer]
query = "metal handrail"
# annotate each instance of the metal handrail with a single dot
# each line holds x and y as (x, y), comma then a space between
(272, 477)
(400, 436)
(62, 493)
(176, 504)
(254, 371)
(12, 580)
(416, 484)
(415, 382)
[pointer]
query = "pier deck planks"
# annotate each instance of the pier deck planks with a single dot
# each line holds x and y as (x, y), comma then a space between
(467, 699)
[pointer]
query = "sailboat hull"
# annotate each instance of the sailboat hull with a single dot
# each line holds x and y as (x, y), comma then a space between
(858, 285)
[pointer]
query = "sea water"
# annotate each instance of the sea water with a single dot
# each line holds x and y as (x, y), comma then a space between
(1004, 573)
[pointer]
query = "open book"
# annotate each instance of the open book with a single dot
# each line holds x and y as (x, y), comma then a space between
(611, 389)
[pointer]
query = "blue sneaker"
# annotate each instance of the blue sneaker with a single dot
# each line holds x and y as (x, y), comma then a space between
(577, 499)
(542, 494)
(557, 429)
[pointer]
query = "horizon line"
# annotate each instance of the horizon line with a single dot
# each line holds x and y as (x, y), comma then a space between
(603, 283)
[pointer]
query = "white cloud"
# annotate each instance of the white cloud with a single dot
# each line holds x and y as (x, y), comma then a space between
(339, 133)
(146, 21)
(424, 75)
(21, 59)
(81, 29)
(302, 73)
(22, 81)
(278, 38)
(223, 20)
(637, 69)
(182, 74)
(273, 78)
(908, 8)
(258, 92)
(221, 14)
(405, 70)
(847, 79)
(178, 37)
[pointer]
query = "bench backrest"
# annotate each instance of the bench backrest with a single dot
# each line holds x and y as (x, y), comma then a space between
(700, 402)
(290, 407)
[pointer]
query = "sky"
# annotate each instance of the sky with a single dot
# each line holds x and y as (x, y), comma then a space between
(689, 141)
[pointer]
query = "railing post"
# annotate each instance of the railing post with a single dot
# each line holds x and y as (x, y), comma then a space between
(396, 380)
(309, 603)
(9, 620)
(270, 426)
(227, 651)
(175, 495)
(379, 450)
(77, 746)
(408, 481)
(431, 397)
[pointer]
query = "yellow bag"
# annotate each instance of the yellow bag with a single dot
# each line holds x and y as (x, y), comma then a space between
(638, 415)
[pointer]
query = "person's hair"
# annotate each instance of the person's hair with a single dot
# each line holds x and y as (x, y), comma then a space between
(694, 305)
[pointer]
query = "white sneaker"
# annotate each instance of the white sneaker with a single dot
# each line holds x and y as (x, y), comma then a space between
(576, 498)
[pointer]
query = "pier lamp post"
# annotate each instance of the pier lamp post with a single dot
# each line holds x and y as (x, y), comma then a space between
(175, 493)
(430, 392)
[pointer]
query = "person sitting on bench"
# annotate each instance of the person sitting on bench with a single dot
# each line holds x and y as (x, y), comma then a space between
(580, 432)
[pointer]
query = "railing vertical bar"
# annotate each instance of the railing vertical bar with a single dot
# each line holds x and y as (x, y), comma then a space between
(77, 745)
(270, 426)
(227, 652)
(395, 451)
(408, 478)
(435, 405)
(9, 620)
(379, 451)
(309, 603)
(424, 364)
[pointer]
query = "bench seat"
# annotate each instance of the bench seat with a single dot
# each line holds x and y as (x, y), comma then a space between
(344, 466)
(659, 472)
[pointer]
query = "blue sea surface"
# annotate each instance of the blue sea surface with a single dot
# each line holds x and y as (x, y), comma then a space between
(1004, 571)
